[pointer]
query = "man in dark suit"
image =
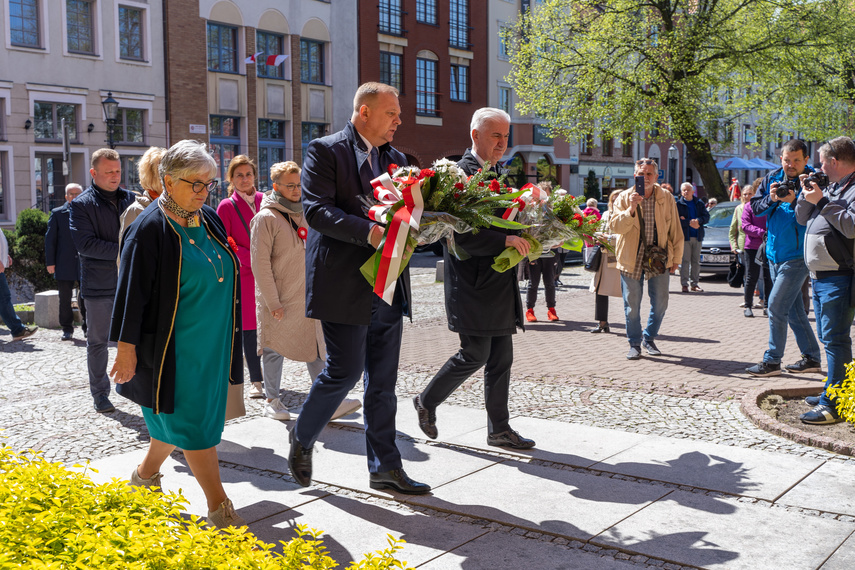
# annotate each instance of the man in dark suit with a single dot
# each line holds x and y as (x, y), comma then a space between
(483, 306)
(362, 332)
(63, 262)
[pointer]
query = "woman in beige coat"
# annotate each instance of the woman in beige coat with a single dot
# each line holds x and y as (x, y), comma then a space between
(277, 250)
(606, 281)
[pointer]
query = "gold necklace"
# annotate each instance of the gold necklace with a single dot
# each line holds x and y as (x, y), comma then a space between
(220, 257)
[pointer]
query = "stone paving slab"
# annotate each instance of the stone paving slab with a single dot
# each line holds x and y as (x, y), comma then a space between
(569, 444)
(719, 532)
(353, 526)
(727, 469)
(255, 497)
(843, 558)
(500, 551)
(830, 488)
(542, 499)
(339, 456)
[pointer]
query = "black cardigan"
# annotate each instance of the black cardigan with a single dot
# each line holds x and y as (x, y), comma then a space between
(146, 301)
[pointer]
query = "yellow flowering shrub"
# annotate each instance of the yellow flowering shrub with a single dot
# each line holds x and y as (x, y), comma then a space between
(55, 517)
(845, 394)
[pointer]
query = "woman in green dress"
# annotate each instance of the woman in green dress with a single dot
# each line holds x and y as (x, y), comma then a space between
(176, 319)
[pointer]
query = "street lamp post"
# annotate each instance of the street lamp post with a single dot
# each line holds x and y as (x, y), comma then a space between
(672, 165)
(111, 112)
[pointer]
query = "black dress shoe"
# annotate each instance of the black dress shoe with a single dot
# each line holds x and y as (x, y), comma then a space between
(509, 438)
(427, 418)
(67, 335)
(397, 480)
(300, 462)
(600, 329)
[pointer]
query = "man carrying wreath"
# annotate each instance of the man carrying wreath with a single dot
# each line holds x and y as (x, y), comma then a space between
(483, 306)
(362, 332)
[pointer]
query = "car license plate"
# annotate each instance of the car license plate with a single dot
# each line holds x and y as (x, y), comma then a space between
(708, 258)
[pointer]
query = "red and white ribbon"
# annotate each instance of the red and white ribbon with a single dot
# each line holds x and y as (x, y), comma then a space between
(533, 192)
(398, 227)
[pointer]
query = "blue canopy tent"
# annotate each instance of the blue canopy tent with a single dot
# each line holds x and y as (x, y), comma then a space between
(761, 164)
(735, 163)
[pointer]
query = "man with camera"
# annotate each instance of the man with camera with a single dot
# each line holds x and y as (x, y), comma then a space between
(649, 246)
(827, 208)
(785, 238)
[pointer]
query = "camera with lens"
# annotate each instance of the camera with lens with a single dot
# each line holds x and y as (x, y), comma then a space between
(785, 187)
(821, 179)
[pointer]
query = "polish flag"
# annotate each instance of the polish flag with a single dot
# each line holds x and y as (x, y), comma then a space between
(275, 60)
(251, 59)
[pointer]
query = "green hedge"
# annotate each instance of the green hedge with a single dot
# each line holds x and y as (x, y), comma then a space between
(55, 517)
(27, 247)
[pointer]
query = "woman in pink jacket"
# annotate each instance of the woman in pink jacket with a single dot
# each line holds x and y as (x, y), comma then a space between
(237, 211)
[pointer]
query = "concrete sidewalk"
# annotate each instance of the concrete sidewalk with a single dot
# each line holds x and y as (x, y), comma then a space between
(585, 498)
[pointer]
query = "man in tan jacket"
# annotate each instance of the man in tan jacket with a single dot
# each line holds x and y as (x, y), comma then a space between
(642, 220)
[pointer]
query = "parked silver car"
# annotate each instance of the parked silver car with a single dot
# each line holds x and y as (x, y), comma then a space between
(716, 255)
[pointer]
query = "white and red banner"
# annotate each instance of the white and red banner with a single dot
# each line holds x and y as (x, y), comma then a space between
(398, 227)
(273, 60)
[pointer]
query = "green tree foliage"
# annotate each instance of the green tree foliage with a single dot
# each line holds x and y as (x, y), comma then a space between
(592, 186)
(691, 69)
(29, 251)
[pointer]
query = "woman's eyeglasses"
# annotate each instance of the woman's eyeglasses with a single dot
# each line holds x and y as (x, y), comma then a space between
(290, 187)
(199, 186)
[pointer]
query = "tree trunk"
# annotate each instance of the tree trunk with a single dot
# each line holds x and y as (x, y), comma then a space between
(704, 162)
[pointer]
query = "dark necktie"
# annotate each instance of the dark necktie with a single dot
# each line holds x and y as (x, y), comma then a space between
(375, 161)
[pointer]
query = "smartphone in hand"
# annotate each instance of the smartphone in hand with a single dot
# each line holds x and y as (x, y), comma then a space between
(639, 185)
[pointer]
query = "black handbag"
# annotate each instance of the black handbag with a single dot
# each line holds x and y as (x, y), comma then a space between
(655, 259)
(760, 258)
(736, 274)
(593, 261)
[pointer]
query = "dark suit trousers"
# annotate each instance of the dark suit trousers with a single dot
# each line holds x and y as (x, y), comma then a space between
(66, 313)
(351, 351)
(496, 354)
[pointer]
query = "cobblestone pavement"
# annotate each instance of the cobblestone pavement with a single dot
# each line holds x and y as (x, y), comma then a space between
(561, 372)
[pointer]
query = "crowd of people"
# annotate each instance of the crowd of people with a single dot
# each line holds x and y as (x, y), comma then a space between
(276, 275)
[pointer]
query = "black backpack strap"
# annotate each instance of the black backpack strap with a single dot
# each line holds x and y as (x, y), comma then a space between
(245, 225)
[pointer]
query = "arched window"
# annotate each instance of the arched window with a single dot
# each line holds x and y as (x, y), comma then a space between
(516, 171)
(546, 170)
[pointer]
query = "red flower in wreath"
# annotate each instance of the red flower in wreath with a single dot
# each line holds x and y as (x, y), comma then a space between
(494, 186)
(579, 219)
(303, 232)
(459, 186)
(392, 168)
(426, 173)
(233, 244)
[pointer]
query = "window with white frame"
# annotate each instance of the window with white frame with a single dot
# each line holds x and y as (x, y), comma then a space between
(48, 119)
(130, 173)
(504, 51)
(129, 127)
(80, 26)
(4, 160)
(131, 33)
(505, 99)
(25, 23)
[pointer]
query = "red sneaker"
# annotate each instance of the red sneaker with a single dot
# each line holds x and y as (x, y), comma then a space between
(529, 316)
(550, 314)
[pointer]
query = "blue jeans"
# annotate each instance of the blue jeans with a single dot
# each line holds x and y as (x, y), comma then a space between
(833, 321)
(7, 311)
(786, 306)
(657, 290)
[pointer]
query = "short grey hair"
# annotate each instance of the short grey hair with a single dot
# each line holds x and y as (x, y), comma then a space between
(689, 184)
(73, 185)
(485, 114)
(185, 158)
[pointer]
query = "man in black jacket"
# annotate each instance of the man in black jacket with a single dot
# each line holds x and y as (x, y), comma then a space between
(62, 260)
(94, 226)
(483, 306)
(693, 217)
(362, 332)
